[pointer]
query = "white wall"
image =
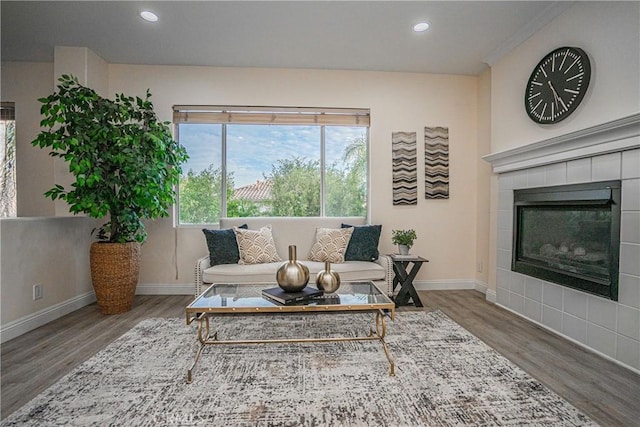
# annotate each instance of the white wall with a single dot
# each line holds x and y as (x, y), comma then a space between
(398, 102)
(483, 188)
(609, 33)
(53, 252)
(447, 229)
(23, 83)
(38, 247)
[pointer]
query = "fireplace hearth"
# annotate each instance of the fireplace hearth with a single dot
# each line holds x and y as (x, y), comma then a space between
(569, 235)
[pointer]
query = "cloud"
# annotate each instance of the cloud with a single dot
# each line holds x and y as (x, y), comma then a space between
(203, 143)
(252, 150)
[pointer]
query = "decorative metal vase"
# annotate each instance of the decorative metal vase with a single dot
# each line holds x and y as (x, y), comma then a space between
(292, 276)
(403, 249)
(328, 281)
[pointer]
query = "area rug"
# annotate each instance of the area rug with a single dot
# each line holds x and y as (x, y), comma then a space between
(445, 376)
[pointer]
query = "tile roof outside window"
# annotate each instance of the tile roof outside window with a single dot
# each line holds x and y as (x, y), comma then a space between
(258, 192)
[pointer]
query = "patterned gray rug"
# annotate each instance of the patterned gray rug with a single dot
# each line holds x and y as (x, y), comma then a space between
(444, 377)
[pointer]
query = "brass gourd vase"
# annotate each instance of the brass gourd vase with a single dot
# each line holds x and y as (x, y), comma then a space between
(292, 276)
(327, 280)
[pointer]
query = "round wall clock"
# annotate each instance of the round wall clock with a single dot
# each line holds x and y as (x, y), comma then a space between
(557, 85)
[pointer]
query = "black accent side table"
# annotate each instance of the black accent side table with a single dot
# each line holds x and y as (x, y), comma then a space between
(405, 279)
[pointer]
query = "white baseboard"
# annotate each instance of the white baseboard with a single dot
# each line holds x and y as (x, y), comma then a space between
(444, 285)
(456, 284)
(492, 296)
(448, 284)
(28, 323)
(32, 321)
(165, 289)
(482, 287)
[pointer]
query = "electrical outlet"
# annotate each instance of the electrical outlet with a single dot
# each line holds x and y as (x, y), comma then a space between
(37, 291)
(480, 267)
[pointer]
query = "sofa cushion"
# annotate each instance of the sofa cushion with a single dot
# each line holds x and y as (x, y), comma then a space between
(266, 272)
(223, 246)
(363, 245)
(256, 246)
(351, 271)
(298, 231)
(330, 244)
(242, 273)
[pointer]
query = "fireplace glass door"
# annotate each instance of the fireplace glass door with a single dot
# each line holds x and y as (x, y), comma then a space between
(571, 238)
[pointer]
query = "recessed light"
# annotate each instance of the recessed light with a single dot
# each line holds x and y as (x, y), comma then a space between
(421, 27)
(149, 16)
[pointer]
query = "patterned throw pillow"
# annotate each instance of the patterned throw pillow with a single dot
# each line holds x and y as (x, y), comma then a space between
(256, 246)
(363, 245)
(223, 247)
(330, 244)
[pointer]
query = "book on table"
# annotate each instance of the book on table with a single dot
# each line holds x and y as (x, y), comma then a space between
(404, 256)
(280, 296)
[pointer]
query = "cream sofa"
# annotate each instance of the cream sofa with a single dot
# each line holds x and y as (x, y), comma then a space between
(299, 231)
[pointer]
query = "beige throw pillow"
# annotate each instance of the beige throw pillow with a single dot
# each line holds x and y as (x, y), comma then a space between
(330, 244)
(256, 246)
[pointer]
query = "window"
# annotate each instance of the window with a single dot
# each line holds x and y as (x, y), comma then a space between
(271, 162)
(7, 160)
(200, 189)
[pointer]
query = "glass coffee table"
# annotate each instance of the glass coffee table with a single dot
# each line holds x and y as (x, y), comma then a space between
(247, 299)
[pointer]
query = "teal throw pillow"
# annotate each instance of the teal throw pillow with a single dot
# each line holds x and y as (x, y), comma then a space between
(363, 245)
(223, 246)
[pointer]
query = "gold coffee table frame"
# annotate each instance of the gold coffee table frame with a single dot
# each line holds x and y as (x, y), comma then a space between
(224, 299)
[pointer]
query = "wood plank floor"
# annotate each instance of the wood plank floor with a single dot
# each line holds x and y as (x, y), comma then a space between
(605, 391)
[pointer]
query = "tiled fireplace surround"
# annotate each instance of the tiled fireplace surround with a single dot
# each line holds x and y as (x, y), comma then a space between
(609, 151)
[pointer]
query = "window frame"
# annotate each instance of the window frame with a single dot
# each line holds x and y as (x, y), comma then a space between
(286, 116)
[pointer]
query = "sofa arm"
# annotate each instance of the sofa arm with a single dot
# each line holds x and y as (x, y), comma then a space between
(387, 264)
(201, 265)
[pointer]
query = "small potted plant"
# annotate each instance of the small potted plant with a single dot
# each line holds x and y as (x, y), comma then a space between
(404, 239)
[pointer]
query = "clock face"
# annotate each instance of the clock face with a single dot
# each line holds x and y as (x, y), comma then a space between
(557, 85)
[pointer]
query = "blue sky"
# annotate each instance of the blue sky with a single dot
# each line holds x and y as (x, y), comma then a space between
(253, 149)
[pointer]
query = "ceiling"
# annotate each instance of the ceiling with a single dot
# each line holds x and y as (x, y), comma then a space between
(353, 35)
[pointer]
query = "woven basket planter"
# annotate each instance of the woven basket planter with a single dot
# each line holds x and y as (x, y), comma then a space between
(115, 268)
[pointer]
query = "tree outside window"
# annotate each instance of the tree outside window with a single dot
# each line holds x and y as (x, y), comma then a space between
(346, 173)
(273, 170)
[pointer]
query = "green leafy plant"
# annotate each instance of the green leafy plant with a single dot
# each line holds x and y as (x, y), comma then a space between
(403, 237)
(124, 160)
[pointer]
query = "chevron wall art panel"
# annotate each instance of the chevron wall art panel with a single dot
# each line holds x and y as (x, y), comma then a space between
(405, 176)
(436, 162)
